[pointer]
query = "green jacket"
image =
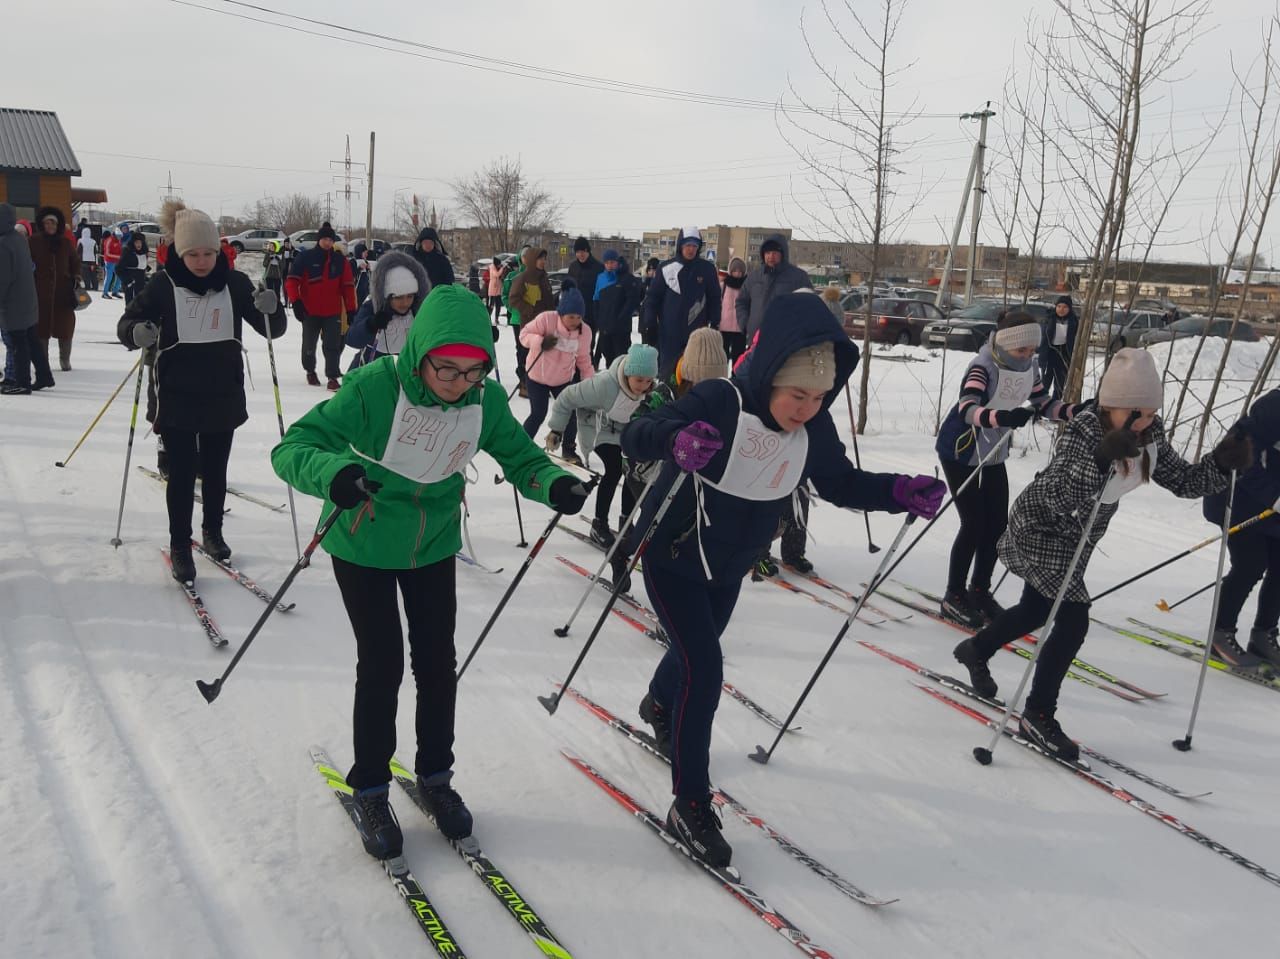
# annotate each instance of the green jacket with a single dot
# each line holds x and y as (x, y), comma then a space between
(410, 524)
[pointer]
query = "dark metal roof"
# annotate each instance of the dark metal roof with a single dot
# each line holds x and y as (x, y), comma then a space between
(33, 141)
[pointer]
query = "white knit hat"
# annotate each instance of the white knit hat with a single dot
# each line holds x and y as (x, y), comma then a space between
(194, 230)
(400, 282)
(1131, 382)
(1019, 335)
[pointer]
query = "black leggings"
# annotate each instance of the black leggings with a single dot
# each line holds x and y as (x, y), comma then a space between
(735, 344)
(1065, 640)
(539, 399)
(210, 458)
(1255, 555)
(431, 608)
(611, 456)
(984, 514)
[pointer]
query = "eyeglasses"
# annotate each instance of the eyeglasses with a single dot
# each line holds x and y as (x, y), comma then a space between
(448, 374)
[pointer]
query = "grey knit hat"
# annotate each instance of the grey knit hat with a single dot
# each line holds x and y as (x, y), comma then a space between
(1131, 382)
(194, 230)
(1018, 335)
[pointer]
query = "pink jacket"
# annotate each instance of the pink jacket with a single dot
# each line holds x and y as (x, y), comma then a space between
(495, 279)
(729, 309)
(556, 368)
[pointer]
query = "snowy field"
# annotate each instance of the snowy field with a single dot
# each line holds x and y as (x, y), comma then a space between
(143, 822)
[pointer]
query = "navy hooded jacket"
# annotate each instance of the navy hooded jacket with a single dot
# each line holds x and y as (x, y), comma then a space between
(670, 316)
(1258, 487)
(739, 530)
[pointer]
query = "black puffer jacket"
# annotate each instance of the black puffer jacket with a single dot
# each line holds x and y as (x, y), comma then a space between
(618, 303)
(436, 263)
(200, 386)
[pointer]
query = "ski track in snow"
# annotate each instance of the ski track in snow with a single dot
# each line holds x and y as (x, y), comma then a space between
(145, 822)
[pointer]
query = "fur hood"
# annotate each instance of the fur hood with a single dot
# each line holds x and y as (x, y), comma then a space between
(378, 284)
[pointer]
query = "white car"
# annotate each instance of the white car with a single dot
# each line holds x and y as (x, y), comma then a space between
(306, 239)
(253, 240)
(151, 231)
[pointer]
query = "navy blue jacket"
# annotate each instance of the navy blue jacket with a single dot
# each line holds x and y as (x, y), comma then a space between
(666, 321)
(1258, 487)
(740, 529)
(1047, 349)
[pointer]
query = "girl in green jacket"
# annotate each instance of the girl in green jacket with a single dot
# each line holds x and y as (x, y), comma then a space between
(391, 446)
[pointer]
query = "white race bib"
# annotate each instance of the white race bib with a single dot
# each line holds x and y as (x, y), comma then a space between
(204, 317)
(1127, 482)
(566, 345)
(624, 407)
(427, 444)
(1013, 388)
(763, 464)
(392, 339)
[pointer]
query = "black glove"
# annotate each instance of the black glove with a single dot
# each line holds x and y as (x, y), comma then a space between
(299, 311)
(568, 495)
(1235, 452)
(1117, 445)
(380, 320)
(549, 341)
(351, 487)
(1015, 419)
(1073, 410)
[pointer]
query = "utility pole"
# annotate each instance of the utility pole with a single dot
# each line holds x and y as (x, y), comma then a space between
(979, 190)
(368, 212)
(171, 192)
(975, 173)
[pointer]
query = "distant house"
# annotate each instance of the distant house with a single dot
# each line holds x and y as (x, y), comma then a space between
(37, 164)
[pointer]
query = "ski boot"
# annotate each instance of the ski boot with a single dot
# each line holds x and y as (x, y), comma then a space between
(983, 603)
(601, 535)
(799, 564)
(657, 717)
(1262, 643)
(980, 678)
(618, 564)
(572, 458)
(376, 822)
(696, 824)
(766, 567)
(1042, 729)
(451, 814)
(215, 545)
(1228, 650)
(182, 563)
(955, 607)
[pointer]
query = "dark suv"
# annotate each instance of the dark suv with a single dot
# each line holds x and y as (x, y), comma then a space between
(893, 320)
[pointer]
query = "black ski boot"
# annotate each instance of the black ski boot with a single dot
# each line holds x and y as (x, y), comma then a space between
(1228, 650)
(799, 564)
(601, 535)
(379, 830)
(766, 567)
(980, 678)
(1262, 643)
(657, 717)
(618, 564)
(984, 604)
(1043, 730)
(955, 607)
(696, 824)
(215, 545)
(184, 565)
(451, 814)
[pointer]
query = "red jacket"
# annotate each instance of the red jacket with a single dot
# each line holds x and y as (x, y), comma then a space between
(322, 281)
(111, 249)
(229, 252)
(162, 253)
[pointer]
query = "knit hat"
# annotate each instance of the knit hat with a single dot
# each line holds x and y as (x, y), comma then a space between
(1017, 330)
(642, 360)
(194, 230)
(611, 254)
(400, 282)
(327, 230)
(581, 244)
(1064, 299)
(704, 356)
(1131, 382)
(571, 301)
(770, 245)
(811, 368)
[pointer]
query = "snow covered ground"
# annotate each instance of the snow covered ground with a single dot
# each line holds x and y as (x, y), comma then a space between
(143, 822)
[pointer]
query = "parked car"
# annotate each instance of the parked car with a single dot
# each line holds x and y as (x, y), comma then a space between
(253, 240)
(1194, 326)
(1126, 328)
(306, 239)
(969, 328)
(376, 246)
(893, 320)
(150, 230)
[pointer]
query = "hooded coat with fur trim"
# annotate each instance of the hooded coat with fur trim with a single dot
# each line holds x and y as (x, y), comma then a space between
(683, 295)
(375, 329)
(737, 530)
(57, 271)
(436, 263)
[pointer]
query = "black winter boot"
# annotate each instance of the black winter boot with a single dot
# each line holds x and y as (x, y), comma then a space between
(980, 678)
(184, 566)
(657, 717)
(451, 814)
(799, 563)
(618, 564)
(379, 830)
(601, 535)
(1043, 730)
(983, 603)
(1228, 650)
(696, 824)
(215, 545)
(955, 607)
(1262, 643)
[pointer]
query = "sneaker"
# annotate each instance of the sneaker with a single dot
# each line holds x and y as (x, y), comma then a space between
(1228, 650)
(446, 807)
(1043, 730)
(379, 830)
(215, 545)
(980, 678)
(333, 384)
(312, 379)
(799, 564)
(984, 604)
(184, 566)
(601, 535)
(656, 716)
(696, 824)
(15, 389)
(955, 607)
(42, 383)
(618, 564)
(1263, 644)
(572, 458)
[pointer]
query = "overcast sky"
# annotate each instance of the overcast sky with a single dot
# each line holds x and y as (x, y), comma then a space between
(236, 109)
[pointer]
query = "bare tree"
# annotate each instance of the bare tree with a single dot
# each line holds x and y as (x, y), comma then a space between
(504, 205)
(850, 143)
(289, 214)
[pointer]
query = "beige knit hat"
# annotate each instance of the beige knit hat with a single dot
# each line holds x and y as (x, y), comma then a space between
(1131, 382)
(812, 368)
(704, 357)
(1021, 331)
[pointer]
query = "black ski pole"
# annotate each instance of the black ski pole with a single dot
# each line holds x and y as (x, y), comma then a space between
(551, 703)
(519, 518)
(111, 399)
(211, 690)
(857, 461)
(275, 385)
(1184, 744)
(116, 541)
(762, 755)
(521, 379)
(524, 568)
(1166, 607)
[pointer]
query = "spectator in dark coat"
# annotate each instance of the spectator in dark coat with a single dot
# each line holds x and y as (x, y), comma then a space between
(320, 286)
(774, 276)
(617, 296)
(133, 265)
(584, 270)
(57, 274)
(683, 295)
(18, 309)
(430, 252)
(1057, 345)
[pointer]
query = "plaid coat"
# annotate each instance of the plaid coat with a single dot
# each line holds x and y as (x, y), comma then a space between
(1048, 517)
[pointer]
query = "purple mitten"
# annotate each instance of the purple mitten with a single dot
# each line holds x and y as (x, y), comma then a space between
(919, 495)
(693, 447)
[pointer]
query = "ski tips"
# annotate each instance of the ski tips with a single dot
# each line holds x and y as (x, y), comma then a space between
(761, 755)
(209, 690)
(550, 703)
(1182, 745)
(982, 754)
